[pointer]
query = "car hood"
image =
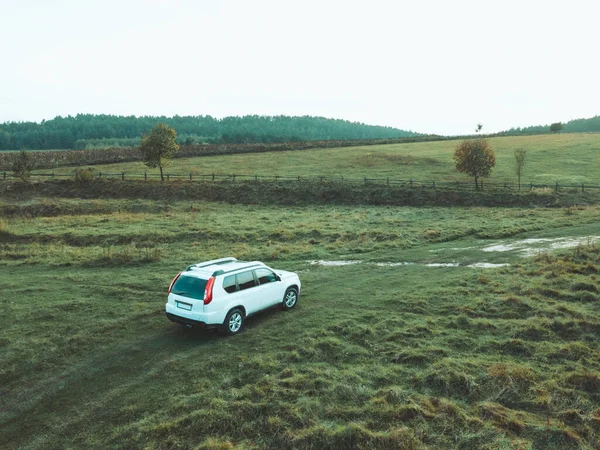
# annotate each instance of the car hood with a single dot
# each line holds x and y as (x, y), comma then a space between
(285, 273)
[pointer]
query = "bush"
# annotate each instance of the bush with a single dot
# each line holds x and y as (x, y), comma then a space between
(84, 175)
(22, 165)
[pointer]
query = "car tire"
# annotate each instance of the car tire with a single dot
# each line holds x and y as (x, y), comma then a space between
(234, 322)
(290, 298)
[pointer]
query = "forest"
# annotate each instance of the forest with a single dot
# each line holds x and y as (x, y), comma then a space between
(90, 131)
(87, 131)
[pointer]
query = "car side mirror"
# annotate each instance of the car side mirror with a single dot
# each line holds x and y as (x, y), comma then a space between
(277, 277)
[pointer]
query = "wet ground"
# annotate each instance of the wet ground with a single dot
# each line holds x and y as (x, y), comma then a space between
(477, 256)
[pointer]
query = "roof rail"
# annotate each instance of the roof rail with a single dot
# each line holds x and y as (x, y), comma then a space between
(249, 266)
(212, 262)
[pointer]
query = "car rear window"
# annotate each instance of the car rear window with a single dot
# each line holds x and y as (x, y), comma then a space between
(191, 287)
(229, 284)
(245, 280)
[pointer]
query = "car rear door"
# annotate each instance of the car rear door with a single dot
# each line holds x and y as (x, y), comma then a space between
(247, 291)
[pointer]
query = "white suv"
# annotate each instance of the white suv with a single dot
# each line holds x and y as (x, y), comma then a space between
(223, 292)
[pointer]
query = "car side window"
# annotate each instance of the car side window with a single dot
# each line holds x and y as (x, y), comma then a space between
(229, 284)
(245, 280)
(265, 276)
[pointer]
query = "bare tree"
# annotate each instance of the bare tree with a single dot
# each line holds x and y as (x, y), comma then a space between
(520, 154)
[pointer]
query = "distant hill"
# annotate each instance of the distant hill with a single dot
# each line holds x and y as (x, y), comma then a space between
(573, 126)
(97, 131)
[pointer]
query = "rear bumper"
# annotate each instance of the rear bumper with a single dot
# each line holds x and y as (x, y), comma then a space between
(189, 322)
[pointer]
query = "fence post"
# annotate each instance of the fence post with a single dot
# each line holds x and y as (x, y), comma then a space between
(411, 183)
(190, 176)
(581, 187)
(365, 180)
(53, 174)
(233, 176)
(122, 175)
(557, 186)
(276, 177)
(168, 176)
(5, 175)
(99, 174)
(457, 186)
(531, 187)
(434, 184)
(213, 176)
(388, 181)
(255, 177)
(145, 176)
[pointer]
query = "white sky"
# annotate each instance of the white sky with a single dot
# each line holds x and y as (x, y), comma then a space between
(425, 65)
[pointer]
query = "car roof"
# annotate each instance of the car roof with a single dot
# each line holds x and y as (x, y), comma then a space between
(221, 268)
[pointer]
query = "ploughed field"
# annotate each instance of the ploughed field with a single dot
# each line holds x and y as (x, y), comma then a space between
(402, 337)
(564, 158)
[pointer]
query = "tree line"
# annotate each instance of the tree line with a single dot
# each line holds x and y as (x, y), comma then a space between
(87, 131)
(591, 125)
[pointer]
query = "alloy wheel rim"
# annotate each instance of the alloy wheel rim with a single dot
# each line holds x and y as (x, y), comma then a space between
(235, 322)
(290, 299)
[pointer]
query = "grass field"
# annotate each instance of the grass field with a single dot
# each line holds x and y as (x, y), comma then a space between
(374, 356)
(563, 158)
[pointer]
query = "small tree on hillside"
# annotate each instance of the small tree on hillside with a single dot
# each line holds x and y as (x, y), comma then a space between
(475, 157)
(556, 127)
(158, 147)
(520, 154)
(22, 165)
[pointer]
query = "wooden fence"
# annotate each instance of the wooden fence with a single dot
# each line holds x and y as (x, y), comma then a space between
(408, 183)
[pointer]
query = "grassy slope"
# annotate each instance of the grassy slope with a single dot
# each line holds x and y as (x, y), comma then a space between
(379, 358)
(564, 158)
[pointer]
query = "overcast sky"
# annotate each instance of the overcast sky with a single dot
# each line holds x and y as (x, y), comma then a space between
(428, 66)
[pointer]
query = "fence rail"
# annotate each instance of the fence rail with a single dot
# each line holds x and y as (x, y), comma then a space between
(409, 183)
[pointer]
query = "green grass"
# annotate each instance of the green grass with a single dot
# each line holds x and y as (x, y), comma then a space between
(563, 158)
(372, 357)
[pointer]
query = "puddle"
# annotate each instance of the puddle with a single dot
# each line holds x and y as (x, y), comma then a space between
(441, 265)
(393, 264)
(406, 263)
(334, 263)
(487, 265)
(530, 247)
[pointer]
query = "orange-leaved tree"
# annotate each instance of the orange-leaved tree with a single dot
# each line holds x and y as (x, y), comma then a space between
(475, 157)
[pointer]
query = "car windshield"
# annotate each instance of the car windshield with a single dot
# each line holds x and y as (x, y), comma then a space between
(191, 287)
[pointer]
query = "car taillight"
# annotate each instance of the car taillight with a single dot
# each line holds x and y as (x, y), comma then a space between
(173, 282)
(209, 289)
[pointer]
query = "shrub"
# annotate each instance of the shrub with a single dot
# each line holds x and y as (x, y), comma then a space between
(22, 165)
(83, 175)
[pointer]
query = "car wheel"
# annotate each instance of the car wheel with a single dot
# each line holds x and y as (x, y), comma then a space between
(290, 298)
(234, 321)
